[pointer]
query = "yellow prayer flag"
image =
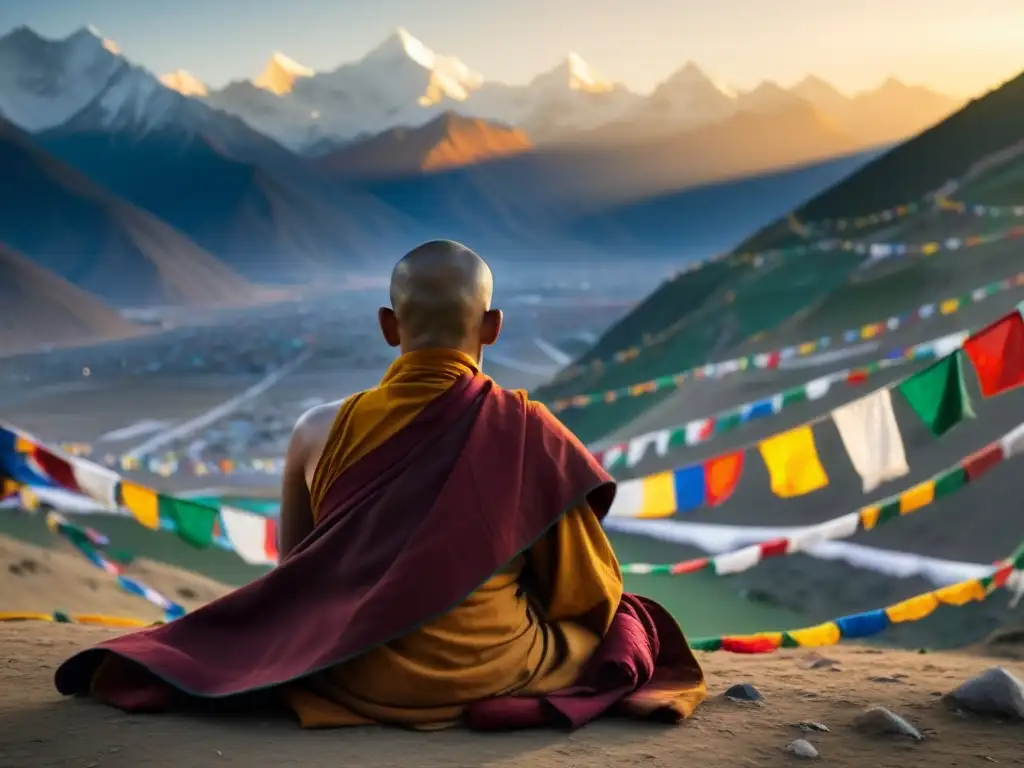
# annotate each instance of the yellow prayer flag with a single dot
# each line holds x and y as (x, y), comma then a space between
(949, 306)
(793, 463)
(807, 348)
(913, 609)
(823, 634)
(869, 517)
(960, 594)
(23, 445)
(659, 495)
(921, 495)
(142, 502)
(929, 248)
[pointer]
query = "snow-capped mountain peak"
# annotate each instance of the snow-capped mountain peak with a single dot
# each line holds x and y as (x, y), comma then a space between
(184, 83)
(451, 77)
(769, 96)
(280, 74)
(583, 78)
(689, 98)
(44, 82)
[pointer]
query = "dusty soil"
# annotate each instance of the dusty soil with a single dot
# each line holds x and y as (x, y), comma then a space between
(40, 728)
(35, 579)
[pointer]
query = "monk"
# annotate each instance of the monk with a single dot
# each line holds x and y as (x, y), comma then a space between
(442, 558)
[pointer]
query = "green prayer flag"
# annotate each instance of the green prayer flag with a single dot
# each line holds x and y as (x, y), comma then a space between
(950, 481)
(193, 521)
(727, 422)
(794, 396)
(938, 394)
(888, 509)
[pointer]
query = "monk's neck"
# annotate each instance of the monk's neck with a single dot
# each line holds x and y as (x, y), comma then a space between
(436, 363)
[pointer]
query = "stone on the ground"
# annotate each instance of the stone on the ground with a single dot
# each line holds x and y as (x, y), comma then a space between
(996, 691)
(810, 725)
(743, 692)
(879, 720)
(802, 748)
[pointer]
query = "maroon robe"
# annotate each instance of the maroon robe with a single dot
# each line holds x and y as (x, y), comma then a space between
(406, 534)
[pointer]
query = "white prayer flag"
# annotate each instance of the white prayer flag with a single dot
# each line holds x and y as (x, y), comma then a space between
(872, 438)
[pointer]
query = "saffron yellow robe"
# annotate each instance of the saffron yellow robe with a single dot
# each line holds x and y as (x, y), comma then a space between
(505, 638)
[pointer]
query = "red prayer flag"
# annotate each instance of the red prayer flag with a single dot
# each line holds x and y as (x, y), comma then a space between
(721, 474)
(774, 547)
(270, 539)
(58, 469)
(997, 353)
(748, 644)
(980, 462)
(857, 376)
(690, 566)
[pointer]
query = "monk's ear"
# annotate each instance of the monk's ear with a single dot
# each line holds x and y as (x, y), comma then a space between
(389, 326)
(490, 329)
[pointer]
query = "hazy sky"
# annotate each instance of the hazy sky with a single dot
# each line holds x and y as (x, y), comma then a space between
(958, 46)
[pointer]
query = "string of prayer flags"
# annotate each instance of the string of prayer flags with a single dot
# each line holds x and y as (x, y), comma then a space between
(679, 490)
(771, 360)
(194, 521)
(629, 453)
(860, 625)
(872, 438)
(938, 394)
(945, 483)
(997, 353)
(793, 463)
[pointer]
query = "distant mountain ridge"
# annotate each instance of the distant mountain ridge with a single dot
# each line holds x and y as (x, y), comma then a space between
(66, 223)
(42, 308)
(448, 141)
(402, 83)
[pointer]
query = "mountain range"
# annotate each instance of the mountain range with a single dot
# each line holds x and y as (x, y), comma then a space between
(82, 232)
(149, 190)
(403, 83)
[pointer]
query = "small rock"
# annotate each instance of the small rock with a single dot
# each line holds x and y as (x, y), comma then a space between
(810, 725)
(743, 692)
(879, 720)
(815, 661)
(995, 691)
(802, 748)
(884, 679)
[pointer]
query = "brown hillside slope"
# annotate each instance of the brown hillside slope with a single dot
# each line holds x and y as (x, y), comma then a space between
(63, 221)
(40, 307)
(449, 141)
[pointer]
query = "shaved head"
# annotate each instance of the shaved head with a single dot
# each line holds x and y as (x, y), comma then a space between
(441, 297)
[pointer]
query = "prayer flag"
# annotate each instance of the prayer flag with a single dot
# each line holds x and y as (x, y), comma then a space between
(194, 521)
(142, 502)
(247, 533)
(96, 482)
(938, 394)
(997, 353)
(793, 463)
(689, 488)
(872, 439)
(913, 609)
(920, 495)
(721, 475)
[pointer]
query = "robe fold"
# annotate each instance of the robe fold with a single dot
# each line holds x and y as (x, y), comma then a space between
(457, 569)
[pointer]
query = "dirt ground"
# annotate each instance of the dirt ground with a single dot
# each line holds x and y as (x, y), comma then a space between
(34, 579)
(39, 728)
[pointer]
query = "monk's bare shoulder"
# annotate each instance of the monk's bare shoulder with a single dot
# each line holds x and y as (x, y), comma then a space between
(312, 430)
